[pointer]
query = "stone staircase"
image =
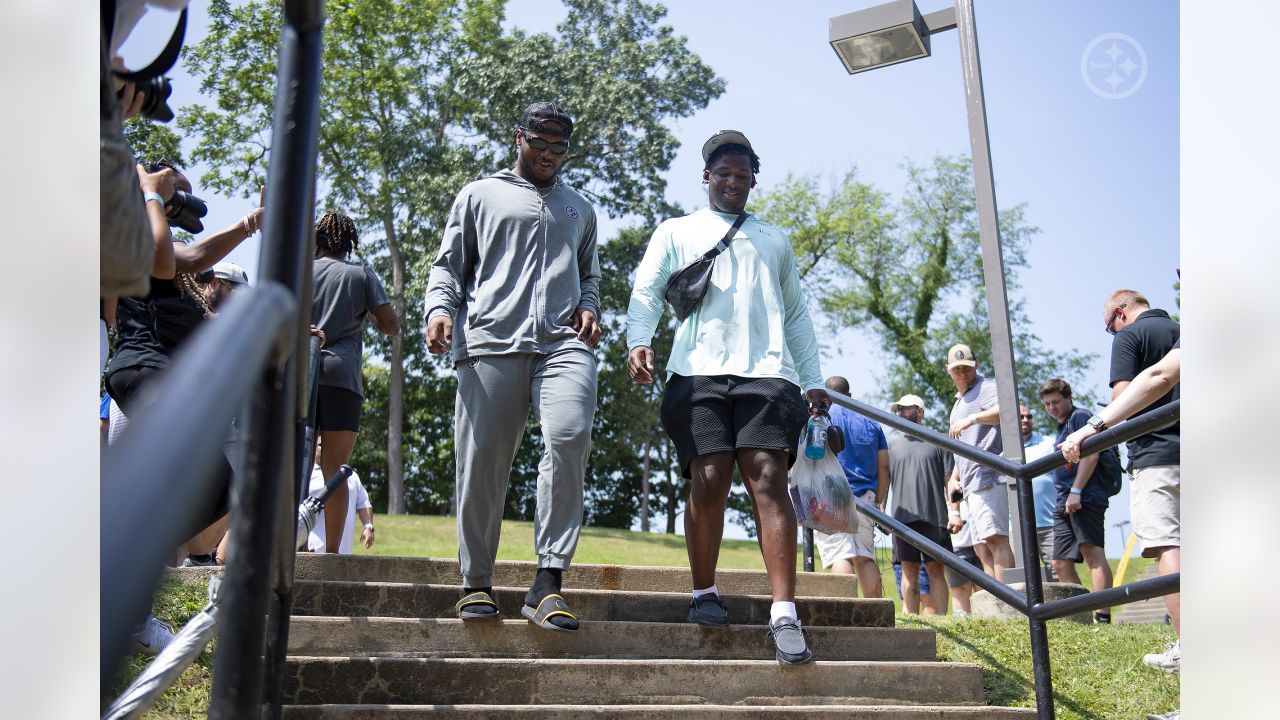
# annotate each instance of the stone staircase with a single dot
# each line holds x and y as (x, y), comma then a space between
(373, 638)
(1143, 612)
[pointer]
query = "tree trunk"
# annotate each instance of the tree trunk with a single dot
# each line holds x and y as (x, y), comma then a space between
(395, 392)
(644, 489)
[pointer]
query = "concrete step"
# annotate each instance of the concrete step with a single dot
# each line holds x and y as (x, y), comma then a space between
(440, 571)
(446, 681)
(379, 599)
(411, 637)
(1140, 613)
(654, 712)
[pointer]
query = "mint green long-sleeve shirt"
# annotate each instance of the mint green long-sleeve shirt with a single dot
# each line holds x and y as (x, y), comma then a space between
(754, 320)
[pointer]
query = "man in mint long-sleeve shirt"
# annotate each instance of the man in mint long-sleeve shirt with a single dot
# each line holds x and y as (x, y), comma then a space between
(740, 366)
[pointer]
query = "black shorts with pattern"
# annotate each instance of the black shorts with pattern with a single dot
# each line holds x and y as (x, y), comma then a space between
(705, 414)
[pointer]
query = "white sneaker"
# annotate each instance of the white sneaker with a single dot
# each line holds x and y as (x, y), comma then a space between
(152, 637)
(1171, 715)
(1170, 660)
(959, 613)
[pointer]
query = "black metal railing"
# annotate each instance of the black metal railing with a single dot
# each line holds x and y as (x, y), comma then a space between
(154, 493)
(1031, 604)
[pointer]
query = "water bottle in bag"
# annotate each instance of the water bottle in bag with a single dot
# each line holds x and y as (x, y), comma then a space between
(815, 437)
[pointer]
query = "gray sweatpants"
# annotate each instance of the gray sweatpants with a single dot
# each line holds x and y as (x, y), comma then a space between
(495, 393)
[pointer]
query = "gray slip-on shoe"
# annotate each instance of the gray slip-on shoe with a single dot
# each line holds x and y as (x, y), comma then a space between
(789, 644)
(708, 610)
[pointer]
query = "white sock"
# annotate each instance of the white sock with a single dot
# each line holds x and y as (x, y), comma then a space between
(699, 593)
(780, 610)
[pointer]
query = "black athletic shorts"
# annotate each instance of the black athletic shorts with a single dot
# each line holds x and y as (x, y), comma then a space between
(1086, 525)
(337, 409)
(904, 551)
(705, 414)
(955, 579)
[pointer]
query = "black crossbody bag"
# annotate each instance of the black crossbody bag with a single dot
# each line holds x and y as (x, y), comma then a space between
(687, 286)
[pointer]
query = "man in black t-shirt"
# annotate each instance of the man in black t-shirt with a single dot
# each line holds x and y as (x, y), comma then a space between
(1143, 336)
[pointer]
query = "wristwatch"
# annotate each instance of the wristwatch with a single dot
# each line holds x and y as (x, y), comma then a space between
(1096, 423)
(1074, 491)
(153, 196)
(368, 526)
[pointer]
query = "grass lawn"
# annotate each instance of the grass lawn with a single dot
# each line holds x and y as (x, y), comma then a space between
(1097, 670)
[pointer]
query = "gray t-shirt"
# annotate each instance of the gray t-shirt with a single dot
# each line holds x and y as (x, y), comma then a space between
(980, 396)
(344, 294)
(918, 475)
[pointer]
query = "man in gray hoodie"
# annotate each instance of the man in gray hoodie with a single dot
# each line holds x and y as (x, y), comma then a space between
(514, 293)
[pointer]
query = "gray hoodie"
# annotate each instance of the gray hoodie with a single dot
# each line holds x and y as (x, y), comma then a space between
(513, 268)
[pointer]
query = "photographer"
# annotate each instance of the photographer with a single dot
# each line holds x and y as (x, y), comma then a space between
(154, 326)
(125, 255)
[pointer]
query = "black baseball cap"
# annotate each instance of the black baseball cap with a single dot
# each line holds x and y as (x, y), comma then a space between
(537, 115)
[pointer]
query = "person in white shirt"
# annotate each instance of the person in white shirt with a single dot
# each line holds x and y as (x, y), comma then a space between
(742, 363)
(357, 504)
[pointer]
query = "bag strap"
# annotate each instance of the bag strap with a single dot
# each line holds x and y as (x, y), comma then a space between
(728, 238)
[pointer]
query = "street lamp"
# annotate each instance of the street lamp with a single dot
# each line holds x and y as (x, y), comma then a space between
(886, 34)
(896, 32)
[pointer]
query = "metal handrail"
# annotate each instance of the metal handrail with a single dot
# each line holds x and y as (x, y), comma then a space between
(1032, 605)
(165, 487)
(246, 682)
(253, 353)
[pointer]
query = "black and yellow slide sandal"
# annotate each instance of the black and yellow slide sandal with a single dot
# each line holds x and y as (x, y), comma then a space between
(480, 599)
(551, 606)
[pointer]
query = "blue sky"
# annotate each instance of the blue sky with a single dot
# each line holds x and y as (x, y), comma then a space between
(1099, 175)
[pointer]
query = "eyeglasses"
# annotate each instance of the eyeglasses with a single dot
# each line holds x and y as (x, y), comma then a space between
(537, 143)
(1114, 314)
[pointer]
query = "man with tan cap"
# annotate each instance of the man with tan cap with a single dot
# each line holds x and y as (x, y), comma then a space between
(975, 420)
(743, 362)
(917, 497)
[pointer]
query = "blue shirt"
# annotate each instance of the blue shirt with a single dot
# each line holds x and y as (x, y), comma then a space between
(1064, 477)
(863, 441)
(1042, 487)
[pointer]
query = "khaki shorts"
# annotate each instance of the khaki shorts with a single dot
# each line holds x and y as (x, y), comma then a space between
(989, 512)
(1155, 502)
(848, 545)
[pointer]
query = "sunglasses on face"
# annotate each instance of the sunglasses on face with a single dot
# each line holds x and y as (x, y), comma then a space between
(1114, 314)
(537, 143)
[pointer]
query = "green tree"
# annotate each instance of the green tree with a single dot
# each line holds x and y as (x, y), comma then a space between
(385, 155)
(150, 140)
(419, 97)
(910, 273)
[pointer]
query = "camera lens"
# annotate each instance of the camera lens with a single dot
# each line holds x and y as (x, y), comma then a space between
(185, 210)
(156, 103)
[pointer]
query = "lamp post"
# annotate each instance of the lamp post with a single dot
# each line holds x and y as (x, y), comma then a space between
(896, 32)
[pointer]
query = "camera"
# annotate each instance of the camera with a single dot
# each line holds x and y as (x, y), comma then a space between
(155, 92)
(184, 210)
(149, 81)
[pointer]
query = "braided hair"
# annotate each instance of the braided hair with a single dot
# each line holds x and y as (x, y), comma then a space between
(189, 284)
(336, 235)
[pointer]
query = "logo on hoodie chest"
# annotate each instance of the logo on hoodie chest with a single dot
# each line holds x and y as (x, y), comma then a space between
(571, 211)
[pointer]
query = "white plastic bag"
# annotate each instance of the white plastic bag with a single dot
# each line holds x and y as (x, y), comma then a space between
(821, 495)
